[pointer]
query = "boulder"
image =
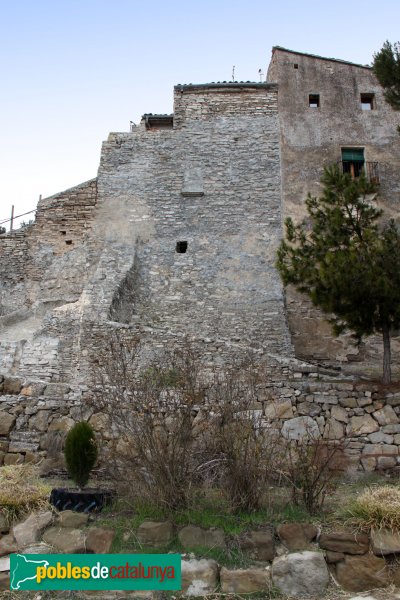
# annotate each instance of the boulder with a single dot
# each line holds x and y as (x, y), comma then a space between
(362, 573)
(345, 541)
(28, 532)
(385, 542)
(192, 537)
(259, 544)
(297, 536)
(8, 545)
(199, 577)
(153, 533)
(71, 519)
(7, 422)
(65, 540)
(301, 574)
(300, 428)
(99, 540)
(245, 581)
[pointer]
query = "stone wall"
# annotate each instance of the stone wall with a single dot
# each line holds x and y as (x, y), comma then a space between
(35, 416)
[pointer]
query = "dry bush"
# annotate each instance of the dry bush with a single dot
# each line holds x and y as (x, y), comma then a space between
(312, 468)
(154, 442)
(247, 449)
(376, 507)
(21, 491)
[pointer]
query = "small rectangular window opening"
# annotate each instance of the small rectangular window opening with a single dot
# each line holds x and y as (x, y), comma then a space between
(367, 101)
(181, 247)
(68, 242)
(295, 66)
(313, 100)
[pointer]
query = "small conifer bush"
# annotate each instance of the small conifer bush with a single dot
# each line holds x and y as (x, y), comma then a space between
(80, 452)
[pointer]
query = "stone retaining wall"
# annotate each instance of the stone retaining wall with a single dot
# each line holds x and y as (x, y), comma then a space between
(35, 416)
(297, 558)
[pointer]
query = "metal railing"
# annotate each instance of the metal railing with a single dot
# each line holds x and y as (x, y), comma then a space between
(357, 167)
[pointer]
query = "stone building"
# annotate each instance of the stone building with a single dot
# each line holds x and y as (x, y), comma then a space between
(177, 237)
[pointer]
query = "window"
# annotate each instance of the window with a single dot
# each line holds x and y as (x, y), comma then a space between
(295, 66)
(313, 100)
(353, 161)
(181, 247)
(367, 102)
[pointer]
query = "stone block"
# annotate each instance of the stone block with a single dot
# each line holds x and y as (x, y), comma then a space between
(8, 545)
(300, 428)
(40, 420)
(345, 541)
(154, 533)
(29, 531)
(99, 540)
(340, 414)
(12, 385)
(7, 422)
(297, 536)
(259, 544)
(380, 438)
(62, 424)
(385, 542)
(334, 430)
(199, 577)
(301, 574)
(192, 537)
(386, 416)
(380, 450)
(282, 410)
(245, 581)
(362, 425)
(362, 573)
(71, 519)
(65, 540)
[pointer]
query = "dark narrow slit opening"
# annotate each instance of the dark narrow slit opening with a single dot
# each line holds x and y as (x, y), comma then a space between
(181, 247)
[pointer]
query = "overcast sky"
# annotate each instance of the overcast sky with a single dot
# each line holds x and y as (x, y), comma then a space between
(73, 71)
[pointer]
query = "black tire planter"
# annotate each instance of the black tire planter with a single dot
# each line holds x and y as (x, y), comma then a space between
(88, 500)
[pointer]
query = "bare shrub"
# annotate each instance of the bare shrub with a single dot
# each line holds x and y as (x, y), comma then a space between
(153, 439)
(312, 468)
(246, 447)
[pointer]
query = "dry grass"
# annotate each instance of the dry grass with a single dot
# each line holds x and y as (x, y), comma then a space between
(21, 491)
(376, 507)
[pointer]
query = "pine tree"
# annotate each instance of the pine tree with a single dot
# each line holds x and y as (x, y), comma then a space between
(386, 67)
(345, 261)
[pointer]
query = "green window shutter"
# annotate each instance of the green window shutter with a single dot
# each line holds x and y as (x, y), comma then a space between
(353, 154)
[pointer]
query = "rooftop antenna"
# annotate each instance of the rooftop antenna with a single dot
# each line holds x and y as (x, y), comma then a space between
(260, 73)
(233, 73)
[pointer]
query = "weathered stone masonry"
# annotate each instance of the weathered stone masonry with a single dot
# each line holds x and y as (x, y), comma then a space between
(177, 237)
